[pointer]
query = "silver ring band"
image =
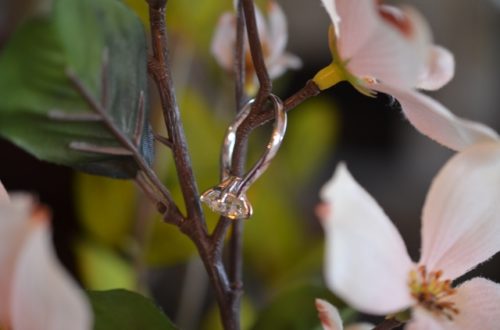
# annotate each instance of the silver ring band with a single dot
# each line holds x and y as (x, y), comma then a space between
(228, 198)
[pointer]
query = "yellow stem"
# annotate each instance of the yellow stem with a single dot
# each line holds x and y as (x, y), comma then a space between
(329, 76)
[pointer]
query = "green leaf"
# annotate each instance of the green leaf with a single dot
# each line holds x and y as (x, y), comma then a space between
(103, 44)
(102, 268)
(126, 310)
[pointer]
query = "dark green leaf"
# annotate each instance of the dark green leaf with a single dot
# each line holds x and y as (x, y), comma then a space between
(126, 310)
(103, 44)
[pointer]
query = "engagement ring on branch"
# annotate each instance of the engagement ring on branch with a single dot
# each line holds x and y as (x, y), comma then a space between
(228, 197)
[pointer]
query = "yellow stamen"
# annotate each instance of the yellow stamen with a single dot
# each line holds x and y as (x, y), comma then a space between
(432, 293)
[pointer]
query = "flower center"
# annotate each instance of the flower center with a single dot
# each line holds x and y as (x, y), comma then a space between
(432, 292)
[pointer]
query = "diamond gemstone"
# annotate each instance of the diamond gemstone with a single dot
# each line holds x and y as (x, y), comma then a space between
(227, 204)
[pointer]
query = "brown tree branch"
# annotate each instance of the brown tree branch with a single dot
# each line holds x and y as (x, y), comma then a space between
(160, 69)
(388, 324)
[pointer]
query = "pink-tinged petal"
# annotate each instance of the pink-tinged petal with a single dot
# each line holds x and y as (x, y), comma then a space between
(390, 55)
(224, 40)
(460, 225)
(431, 118)
(478, 301)
(423, 320)
(278, 30)
(44, 296)
(281, 64)
(14, 224)
(354, 22)
(329, 315)
(4, 196)
(366, 262)
(262, 27)
(439, 71)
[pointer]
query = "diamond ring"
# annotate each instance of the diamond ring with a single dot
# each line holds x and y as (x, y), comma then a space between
(228, 198)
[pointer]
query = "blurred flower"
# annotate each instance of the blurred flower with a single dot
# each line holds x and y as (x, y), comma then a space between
(368, 266)
(387, 49)
(330, 318)
(36, 291)
(273, 35)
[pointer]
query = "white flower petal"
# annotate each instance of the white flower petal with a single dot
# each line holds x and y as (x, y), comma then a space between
(366, 263)
(354, 22)
(460, 225)
(262, 27)
(282, 63)
(329, 315)
(44, 296)
(423, 320)
(439, 71)
(224, 40)
(432, 119)
(278, 30)
(4, 196)
(14, 225)
(478, 301)
(389, 55)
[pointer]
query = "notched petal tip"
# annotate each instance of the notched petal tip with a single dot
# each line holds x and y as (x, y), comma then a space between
(329, 315)
(439, 70)
(223, 41)
(382, 259)
(4, 196)
(432, 119)
(51, 299)
(327, 192)
(460, 226)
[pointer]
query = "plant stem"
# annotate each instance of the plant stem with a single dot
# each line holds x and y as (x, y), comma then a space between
(160, 68)
(195, 227)
(388, 324)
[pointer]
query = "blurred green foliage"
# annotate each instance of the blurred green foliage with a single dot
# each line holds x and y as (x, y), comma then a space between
(74, 35)
(102, 268)
(126, 310)
(247, 316)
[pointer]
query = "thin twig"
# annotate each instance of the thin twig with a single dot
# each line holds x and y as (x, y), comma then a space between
(388, 324)
(164, 140)
(256, 50)
(125, 142)
(239, 57)
(160, 68)
(254, 120)
(235, 267)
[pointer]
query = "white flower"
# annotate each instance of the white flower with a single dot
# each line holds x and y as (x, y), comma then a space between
(330, 318)
(273, 35)
(387, 49)
(37, 293)
(367, 263)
